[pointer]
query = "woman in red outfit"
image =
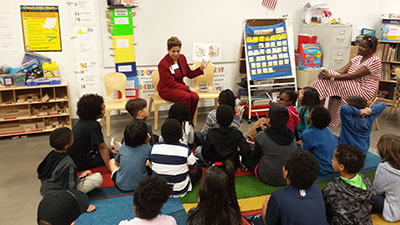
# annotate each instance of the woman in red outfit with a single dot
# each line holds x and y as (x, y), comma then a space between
(173, 68)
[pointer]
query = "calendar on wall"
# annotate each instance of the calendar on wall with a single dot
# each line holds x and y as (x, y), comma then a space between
(267, 51)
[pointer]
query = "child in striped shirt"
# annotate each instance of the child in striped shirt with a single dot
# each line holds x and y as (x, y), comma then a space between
(175, 161)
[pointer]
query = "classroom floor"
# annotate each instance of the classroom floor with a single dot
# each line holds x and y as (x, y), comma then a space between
(19, 189)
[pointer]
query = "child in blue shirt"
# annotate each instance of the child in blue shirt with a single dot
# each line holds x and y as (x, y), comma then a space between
(319, 140)
(301, 202)
(129, 166)
(357, 120)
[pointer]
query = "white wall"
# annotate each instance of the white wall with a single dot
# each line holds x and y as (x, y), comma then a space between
(156, 20)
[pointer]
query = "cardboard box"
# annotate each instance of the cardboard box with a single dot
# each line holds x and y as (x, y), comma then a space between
(353, 51)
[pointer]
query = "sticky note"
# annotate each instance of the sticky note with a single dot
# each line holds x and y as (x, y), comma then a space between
(279, 43)
(266, 38)
(270, 70)
(280, 62)
(272, 38)
(253, 72)
(278, 50)
(262, 51)
(262, 38)
(249, 40)
(273, 44)
(259, 71)
(284, 49)
(251, 59)
(278, 37)
(250, 53)
(284, 42)
(255, 39)
(286, 61)
(261, 45)
(265, 70)
(252, 65)
(258, 58)
(270, 63)
(273, 50)
(258, 65)
(269, 51)
(264, 64)
(262, 58)
(267, 44)
(275, 63)
(256, 52)
(284, 36)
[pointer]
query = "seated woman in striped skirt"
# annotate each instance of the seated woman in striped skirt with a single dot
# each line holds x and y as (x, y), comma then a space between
(360, 77)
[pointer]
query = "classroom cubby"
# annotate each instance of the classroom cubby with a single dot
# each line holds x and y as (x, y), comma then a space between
(34, 109)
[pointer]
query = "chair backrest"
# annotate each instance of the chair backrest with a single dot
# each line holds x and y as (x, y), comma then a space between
(397, 71)
(155, 77)
(206, 77)
(115, 82)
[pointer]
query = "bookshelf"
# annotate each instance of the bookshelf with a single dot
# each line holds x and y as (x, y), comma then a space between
(389, 53)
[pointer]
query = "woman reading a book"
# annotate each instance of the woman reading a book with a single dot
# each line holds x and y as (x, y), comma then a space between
(360, 77)
(173, 68)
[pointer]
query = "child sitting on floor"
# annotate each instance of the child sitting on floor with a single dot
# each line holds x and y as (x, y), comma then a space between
(217, 197)
(272, 147)
(58, 172)
(148, 199)
(175, 161)
(89, 150)
(180, 112)
(137, 108)
(350, 197)
(62, 207)
(129, 166)
(387, 178)
(308, 98)
(224, 142)
(357, 120)
(288, 98)
(226, 97)
(318, 138)
(301, 202)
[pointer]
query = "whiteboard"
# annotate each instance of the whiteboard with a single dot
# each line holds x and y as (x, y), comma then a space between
(192, 21)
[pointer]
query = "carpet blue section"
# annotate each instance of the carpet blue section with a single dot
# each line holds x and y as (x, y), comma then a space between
(113, 210)
(106, 192)
(370, 164)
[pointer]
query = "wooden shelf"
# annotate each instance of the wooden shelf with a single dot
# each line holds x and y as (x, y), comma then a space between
(10, 88)
(13, 123)
(11, 118)
(394, 62)
(390, 42)
(27, 132)
(34, 102)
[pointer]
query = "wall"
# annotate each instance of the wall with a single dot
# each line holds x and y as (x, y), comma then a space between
(193, 21)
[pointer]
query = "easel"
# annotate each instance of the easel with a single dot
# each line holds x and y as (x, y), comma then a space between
(271, 79)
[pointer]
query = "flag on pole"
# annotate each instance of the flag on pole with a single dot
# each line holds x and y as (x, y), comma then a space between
(270, 4)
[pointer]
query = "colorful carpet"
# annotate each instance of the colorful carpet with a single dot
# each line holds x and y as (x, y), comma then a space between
(252, 193)
(114, 205)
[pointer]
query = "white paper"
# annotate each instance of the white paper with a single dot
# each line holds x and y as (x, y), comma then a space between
(8, 40)
(83, 12)
(85, 41)
(130, 84)
(125, 68)
(121, 12)
(210, 51)
(121, 20)
(50, 23)
(122, 43)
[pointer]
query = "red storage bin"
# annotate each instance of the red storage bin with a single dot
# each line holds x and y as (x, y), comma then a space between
(306, 39)
(253, 114)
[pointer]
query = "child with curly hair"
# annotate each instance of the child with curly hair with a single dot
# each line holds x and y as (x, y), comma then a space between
(148, 199)
(288, 98)
(387, 178)
(89, 149)
(350, 197)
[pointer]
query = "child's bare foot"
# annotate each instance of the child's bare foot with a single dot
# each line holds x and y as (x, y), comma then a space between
(91, 208)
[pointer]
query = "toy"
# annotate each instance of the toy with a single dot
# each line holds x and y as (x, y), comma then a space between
(50, 69)
(310, 56)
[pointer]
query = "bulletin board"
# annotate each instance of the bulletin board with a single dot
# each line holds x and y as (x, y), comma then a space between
(41, 28)
(267, 51)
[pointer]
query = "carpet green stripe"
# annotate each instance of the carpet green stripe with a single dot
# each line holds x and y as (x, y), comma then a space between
(249, 186)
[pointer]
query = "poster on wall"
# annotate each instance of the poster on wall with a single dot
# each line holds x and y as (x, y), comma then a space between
(41, 28)
(267, 51)
(211, 51)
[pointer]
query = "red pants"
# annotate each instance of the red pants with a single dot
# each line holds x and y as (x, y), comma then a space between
(190, 99)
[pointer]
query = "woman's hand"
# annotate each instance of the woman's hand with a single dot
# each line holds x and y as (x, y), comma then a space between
(324, 75)
(204, 64)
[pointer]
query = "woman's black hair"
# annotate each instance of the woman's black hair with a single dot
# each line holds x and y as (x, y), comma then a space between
(226, 97)
(90, 107)
(216, 204)
(372, 41)
(310, 100)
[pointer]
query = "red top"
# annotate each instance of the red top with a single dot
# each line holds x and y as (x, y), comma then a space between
(169, 81)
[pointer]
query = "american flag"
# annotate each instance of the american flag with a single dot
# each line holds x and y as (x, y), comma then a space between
(270, 4)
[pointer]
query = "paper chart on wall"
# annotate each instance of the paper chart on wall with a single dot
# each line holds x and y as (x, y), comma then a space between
(86, 70)
(211, 51)
(85, 40)
(8, 39)
(83, 12)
